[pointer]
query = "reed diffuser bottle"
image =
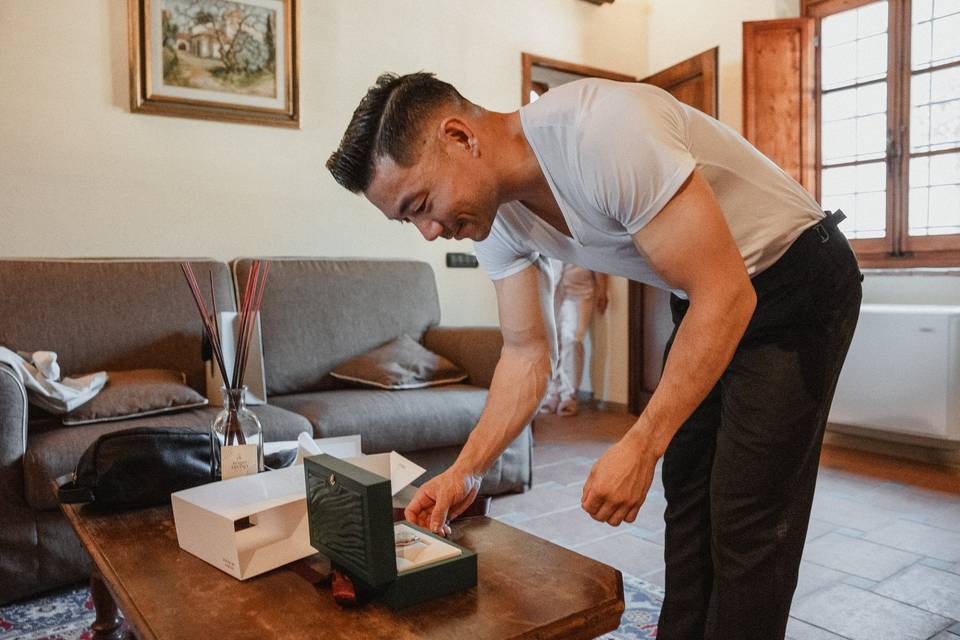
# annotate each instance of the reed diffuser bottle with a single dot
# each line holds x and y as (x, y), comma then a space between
(236, 438)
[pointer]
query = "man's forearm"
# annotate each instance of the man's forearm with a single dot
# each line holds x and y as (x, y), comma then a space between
(702, 349)
(519, 383)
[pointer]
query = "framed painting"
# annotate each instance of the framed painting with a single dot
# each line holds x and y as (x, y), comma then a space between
(233, 60)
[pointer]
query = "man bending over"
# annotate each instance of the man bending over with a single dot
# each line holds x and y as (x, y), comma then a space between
(621, 178)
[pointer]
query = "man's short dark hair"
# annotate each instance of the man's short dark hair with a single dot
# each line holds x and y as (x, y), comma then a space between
(387, 123)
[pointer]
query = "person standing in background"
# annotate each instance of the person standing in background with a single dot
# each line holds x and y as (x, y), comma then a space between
(578, 291)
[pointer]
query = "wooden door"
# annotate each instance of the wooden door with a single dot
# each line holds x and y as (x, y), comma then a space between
(694, 82)
(779, 94)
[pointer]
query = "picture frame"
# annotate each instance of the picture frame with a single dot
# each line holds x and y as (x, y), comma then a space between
(228, 60)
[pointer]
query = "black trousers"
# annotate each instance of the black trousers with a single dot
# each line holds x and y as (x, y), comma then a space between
(739, 475)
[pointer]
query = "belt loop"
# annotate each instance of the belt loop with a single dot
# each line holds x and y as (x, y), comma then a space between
(836, 217)
(822, 233)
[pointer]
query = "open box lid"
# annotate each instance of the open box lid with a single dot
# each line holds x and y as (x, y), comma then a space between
(351, 513)
(243, 496)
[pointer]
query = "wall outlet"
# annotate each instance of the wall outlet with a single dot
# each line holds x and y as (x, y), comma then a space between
(462, 261)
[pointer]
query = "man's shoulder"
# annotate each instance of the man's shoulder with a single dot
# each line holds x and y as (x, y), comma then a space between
(565, 100)
(558, 123)
(595, 91)
(594, 110)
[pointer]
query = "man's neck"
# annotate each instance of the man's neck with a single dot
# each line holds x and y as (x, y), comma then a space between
(522, 177)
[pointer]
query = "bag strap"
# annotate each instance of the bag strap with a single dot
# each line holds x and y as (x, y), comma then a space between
(68, 492)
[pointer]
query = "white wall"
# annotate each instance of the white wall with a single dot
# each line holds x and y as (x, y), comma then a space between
(82, 176)
(917, 286)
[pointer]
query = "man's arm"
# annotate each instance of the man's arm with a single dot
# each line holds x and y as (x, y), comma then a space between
(690, 246)
(519, 382)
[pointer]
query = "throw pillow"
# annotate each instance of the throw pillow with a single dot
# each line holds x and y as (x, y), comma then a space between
(132, 394)
(400, 364)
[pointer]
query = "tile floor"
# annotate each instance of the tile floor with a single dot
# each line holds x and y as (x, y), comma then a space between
(882, 559)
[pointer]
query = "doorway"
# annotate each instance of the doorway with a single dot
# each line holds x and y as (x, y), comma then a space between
(694, 82)
(605, 365)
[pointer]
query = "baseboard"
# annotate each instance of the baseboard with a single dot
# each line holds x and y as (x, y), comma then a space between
(937, 477)
(925, 450)
(586, 398)
(610, 407)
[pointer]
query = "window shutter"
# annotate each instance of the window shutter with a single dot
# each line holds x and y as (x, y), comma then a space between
(779, 94)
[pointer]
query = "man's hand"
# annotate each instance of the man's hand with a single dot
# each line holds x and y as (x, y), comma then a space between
(619, 481)
(441, 499)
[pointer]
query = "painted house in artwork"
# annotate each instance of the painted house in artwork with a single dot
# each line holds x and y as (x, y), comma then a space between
(206, 41)
(183, 42)
(203, 42)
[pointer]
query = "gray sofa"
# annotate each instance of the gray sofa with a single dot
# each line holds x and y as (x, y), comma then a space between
(130, 314)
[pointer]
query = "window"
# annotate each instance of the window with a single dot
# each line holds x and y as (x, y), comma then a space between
(888, 92)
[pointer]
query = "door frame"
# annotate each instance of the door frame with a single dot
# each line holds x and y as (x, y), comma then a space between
(527, 60)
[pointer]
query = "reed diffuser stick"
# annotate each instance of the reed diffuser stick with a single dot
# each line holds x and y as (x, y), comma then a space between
(212, 334)
(250, 305)
(257, 303)
(213, 303)
(244, 316)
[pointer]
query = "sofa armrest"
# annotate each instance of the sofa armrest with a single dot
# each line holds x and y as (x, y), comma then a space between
(476, 350)
(13, 435)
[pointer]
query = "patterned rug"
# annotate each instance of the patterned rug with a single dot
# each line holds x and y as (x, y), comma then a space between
(63, 615)
(642, 602)
(67, 614)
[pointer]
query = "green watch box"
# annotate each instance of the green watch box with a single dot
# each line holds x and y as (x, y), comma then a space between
(350, 515)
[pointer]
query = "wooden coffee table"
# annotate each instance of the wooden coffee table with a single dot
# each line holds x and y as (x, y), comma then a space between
(528, 588)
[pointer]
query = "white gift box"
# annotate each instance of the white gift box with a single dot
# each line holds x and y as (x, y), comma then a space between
(246, 525)
(251, 524)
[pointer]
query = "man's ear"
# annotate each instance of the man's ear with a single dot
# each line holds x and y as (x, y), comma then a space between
(456, 133)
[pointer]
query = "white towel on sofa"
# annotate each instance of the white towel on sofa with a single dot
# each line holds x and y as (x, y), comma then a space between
(40, 372)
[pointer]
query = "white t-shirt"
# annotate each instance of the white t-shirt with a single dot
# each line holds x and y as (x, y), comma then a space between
(614, 154)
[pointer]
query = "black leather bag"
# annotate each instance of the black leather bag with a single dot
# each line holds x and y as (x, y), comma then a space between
(138, 467)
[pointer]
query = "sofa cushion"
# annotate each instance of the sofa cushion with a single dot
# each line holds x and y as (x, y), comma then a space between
(392, 420)
(318, 313)
(53, 450)
(134, 394)
(108, 315)
(400, 364)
